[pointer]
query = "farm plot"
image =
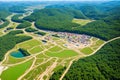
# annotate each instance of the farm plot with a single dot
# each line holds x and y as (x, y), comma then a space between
(13, 60)
(86, 50)
(62, 54)
(36, 71)
(29, 44)
(55, 49)
(36, 49)
(14, 72)
(97, 44)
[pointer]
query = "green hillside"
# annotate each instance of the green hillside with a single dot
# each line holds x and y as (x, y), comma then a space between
(104, 65)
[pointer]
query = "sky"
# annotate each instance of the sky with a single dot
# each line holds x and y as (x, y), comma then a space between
(59, 0)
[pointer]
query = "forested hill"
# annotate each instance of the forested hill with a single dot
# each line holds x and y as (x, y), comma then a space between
(55, 19)
(104, 65)
(59, 18)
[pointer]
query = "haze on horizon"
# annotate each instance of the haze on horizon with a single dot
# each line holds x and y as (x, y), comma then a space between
(59, 0)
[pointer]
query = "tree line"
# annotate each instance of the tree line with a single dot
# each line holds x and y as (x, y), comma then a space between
(8, 41)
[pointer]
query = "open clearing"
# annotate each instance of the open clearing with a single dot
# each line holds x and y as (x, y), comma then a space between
(82, 22)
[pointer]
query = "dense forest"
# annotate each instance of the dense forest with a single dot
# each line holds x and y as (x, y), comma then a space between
(25, 24)
(59, 18)
(15, 18)
(57, 74)
(17, 9)
(30, 29)
(40, 33)
(9, 41)
(4, 12)
(5, 23)
(104, 65)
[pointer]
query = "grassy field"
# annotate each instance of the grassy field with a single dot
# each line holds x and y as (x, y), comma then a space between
(35, 50)
(62, 54)
(97, 44)
(41, 56)
(86, 50)
(13, 60)
(37, 71)
(38, 61)
(13, 73)
(82, 22)
(29, 44)
(55, 49)
(48, 45)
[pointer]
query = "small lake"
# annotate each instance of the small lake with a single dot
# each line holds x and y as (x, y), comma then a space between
(17, 54)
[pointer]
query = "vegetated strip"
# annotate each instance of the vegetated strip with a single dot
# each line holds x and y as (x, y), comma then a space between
(9, 40)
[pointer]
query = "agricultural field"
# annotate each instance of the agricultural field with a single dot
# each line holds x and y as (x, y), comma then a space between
(86, 50)
(62, 54)
(17, 70)
(29, 44)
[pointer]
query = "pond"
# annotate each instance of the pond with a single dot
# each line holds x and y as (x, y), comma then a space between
(17, 54)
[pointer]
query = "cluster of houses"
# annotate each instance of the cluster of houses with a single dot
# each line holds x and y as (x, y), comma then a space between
(71, 38)
(75, 39)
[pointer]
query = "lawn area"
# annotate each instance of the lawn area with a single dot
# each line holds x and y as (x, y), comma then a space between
(41, 56)
(14, 72)
(13, 60)
(86, 50)
(55, 49)
(35, 50)
(38, 61)
(62, 54)
(29, 44)
(82, 22)
(97, 44)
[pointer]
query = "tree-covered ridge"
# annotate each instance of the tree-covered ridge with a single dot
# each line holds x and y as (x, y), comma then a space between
(15, 18)
(59, 18)
(6, 22)
(104, 65)
(17, 9)
(25, 24)
(54, 19)
(4, 12)
(57, 74)
(9, 40)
